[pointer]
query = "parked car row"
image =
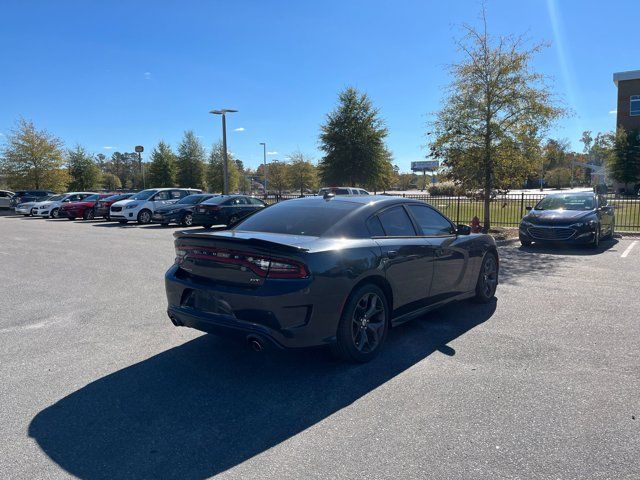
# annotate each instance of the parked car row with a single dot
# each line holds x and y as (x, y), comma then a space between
(184, 206)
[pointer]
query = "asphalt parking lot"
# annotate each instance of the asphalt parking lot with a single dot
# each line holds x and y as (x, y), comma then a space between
(98, 384)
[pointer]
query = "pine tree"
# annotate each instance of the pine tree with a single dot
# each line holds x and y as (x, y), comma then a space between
(84, 171)
(215, 178)
(161, 172)
(190, 162)
(352, 140)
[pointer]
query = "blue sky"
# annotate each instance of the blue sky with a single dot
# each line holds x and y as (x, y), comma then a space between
(111, 75)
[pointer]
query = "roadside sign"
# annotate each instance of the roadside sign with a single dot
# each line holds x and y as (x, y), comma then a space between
(422, 165)
(139, 149)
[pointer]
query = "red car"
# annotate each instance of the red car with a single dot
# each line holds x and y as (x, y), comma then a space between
(104, 205)
(84, 208)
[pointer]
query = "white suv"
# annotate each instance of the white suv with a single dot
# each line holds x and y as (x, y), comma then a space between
(143, 204)
(50, 207)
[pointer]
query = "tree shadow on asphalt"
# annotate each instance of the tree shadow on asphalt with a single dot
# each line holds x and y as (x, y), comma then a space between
(201, 408)
(519, 263)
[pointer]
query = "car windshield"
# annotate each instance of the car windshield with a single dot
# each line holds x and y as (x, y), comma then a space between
(143, 195)
(567, 202)
(298, 218)
(55, 198)
(192, 200)
(91, 198)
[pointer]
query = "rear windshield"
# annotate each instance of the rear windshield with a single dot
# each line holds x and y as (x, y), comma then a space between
(298, 218)
(193, 199)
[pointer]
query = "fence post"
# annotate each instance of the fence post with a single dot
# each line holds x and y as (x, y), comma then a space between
(521, 204)
(458, 211)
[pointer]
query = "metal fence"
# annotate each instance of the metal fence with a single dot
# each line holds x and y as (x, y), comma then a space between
(507, 210)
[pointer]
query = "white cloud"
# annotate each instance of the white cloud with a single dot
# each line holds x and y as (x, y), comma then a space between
(147, 75)
(239, 129)
(613, 112)
(272, 153)
(108, 147)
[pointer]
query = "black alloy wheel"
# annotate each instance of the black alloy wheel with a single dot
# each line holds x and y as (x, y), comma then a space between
(487, 279)
(364, 324)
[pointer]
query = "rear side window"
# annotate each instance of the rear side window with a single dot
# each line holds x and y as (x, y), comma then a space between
(160, 196)
(430, 221)
(255, 201)
(375, 227)
(396, 223)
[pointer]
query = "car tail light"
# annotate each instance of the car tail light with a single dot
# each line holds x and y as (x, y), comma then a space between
(262, 265)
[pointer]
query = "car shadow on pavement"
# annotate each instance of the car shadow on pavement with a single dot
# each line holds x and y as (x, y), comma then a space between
(203, 407)
(560, 249)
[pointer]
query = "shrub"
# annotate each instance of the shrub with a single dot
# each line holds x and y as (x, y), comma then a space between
(448, 189)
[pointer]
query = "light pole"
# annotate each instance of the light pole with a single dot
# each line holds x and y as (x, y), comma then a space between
(264, 154)
(139, 149)
(225, 164)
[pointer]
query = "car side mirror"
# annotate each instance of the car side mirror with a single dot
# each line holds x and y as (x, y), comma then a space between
(528, 208)
(463, 229)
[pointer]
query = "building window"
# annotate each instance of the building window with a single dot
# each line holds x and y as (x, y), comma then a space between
(635, 105)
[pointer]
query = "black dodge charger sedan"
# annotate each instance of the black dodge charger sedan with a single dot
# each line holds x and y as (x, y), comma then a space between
(225, 210)
(182, 211)
(334, 270)
(582, 218)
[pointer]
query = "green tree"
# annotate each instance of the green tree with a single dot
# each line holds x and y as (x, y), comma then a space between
(111, 182)
(278, 176)
(33, 158)
(161, 172)
(83, 170)
(190, 162)
(352, 140)
(558, 177)
(126, 166)
(623, 162)
(497, 109)
(302, 173)
(215, 170)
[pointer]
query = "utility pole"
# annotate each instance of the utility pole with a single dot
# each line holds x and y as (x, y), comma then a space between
(264, 154)
(225, 162)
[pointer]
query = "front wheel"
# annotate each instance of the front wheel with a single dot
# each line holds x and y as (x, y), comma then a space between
(487, 279)
(54, 213)
(596, 238)
(362, 329)
(144, 217)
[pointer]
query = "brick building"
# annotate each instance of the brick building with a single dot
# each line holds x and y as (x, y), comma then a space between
(628, 116)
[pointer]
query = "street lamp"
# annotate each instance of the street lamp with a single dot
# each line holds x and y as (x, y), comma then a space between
(225, 165)
(264, 153)
(139, 149)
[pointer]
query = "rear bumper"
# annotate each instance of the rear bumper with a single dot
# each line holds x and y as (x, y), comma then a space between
(285, 313)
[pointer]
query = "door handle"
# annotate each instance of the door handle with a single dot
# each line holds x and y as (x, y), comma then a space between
(392, 254)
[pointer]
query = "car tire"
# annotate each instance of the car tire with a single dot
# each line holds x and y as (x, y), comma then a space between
(54, 213)
(187, 220)
(487, 279)
(363, 326)
(144, 217)
(596, 241)
(610, 235)
(88, 214)
(26, 214)
(525, 243)
(107, 218)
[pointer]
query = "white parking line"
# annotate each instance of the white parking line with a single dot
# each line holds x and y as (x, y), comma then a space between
(629, 248)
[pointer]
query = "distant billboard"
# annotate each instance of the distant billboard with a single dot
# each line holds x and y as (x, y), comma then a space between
(424, 165)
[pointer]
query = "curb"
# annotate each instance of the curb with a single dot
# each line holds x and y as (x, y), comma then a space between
(508, 241)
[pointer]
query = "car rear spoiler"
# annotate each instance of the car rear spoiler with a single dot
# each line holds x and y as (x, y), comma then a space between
(258, 242)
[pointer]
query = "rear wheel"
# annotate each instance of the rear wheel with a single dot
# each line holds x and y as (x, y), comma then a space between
(54, 213)
(187, 220)
(487, 279)
(363, 326)
(89, 214)
(144, 217)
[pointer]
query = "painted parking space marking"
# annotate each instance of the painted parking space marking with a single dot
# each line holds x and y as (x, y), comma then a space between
(628, 249)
